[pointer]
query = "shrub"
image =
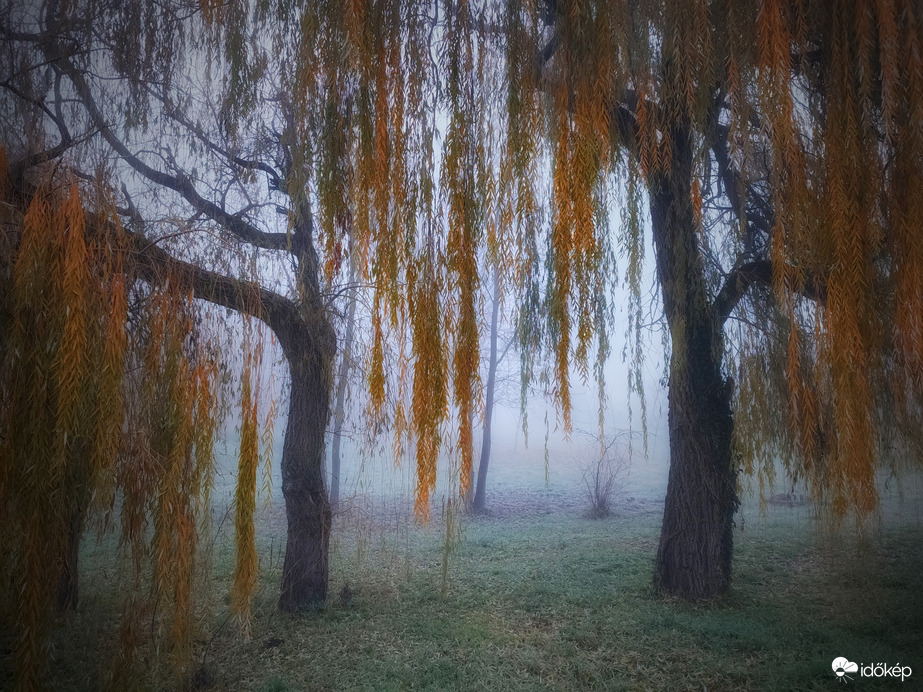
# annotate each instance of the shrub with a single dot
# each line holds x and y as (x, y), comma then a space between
(605, 475)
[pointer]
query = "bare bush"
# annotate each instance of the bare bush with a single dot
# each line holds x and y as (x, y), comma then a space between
(605, 475)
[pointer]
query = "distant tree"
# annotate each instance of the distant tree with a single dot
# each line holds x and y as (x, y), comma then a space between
(497, 352)
(344, 372)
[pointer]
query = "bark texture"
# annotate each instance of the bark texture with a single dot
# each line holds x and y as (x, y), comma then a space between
(309, 343)
(696, 541)
(306, 567)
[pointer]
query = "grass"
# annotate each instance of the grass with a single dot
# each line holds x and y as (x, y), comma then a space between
(546, 601)
(537, 596)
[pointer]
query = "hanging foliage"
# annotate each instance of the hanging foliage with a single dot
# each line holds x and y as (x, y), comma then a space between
(63, 409)
(64, 313)
(245, 568)
(778, 146)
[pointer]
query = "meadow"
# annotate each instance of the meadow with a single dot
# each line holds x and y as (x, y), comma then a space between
(536, 595)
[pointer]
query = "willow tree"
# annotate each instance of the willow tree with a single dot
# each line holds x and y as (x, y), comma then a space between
(247, 150)
(413, 135)
(192, 193)
(778, 146)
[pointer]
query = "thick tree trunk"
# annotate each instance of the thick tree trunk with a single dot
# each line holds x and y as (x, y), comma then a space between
(309, 343)
(696, 540)
(305, 570)
(67, 591)
(480, 494)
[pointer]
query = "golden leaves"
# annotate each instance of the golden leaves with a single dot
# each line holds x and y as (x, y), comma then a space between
(55, 444)
(164, 477)
(803, 90)
(587, 69)
(212, 11)
(561, 246)
(72, 357)
(245, 569)
(70, 454)
(687, 47)
(464, 185)
(429, 395)
(377, 368)
(841, 175)
(905, 196)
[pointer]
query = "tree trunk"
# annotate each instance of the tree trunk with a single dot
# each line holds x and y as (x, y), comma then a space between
(480, 494)
(696, 540)
(309, 343)
(305, 570)
(67, 591)
(339, 415)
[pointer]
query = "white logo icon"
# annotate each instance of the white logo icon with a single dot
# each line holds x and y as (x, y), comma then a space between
(841, 666)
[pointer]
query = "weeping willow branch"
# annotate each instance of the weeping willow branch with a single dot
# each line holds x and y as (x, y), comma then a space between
(245, 231)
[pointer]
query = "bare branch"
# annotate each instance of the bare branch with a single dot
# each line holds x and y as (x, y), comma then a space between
(275, 178)
(244, 231)
(761, 221)
(66, 141)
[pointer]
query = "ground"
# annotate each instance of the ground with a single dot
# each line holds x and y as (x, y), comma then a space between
(535, 595)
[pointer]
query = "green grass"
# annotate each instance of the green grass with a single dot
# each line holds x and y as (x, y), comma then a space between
(551, 601)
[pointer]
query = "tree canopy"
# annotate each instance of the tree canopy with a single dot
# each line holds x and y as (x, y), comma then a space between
(239, 152)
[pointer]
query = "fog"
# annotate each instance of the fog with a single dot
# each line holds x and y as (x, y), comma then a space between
(545, 461)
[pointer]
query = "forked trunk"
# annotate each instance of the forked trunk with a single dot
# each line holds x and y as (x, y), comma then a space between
(696, 540)
(305, 570)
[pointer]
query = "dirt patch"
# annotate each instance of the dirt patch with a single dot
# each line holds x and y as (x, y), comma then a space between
(516, 504)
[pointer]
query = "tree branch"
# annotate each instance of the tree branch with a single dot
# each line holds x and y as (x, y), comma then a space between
(761, 221)
(737, 283)
(742, 277)
(66, 141)
(624, 120)
(275, 178)
(155, 265)
(243, 230)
